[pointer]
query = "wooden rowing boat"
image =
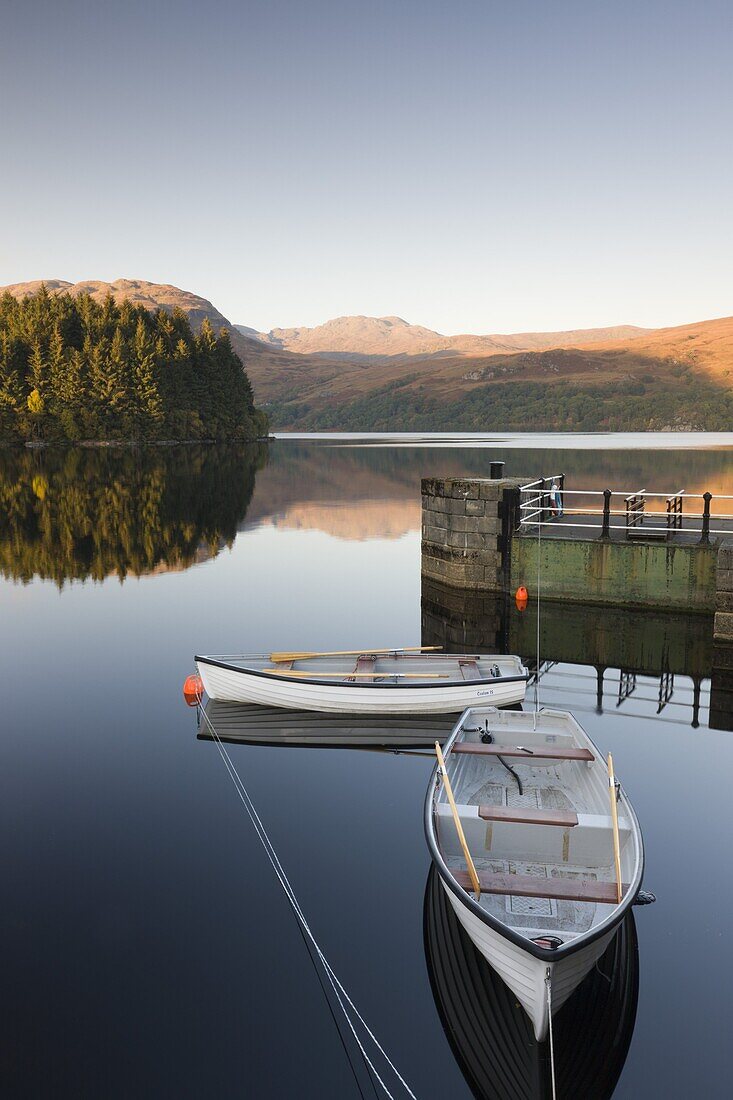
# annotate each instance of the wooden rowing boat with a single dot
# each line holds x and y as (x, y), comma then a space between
(366, 683)
(536, 886)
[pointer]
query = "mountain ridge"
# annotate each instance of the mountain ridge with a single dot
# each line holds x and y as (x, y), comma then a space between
(360, 335)
(617, 378)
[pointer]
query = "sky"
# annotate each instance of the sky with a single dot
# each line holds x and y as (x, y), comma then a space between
(469, 166)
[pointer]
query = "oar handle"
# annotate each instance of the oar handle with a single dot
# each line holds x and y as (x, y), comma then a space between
(459, 828)
(307, 654)
(614, 820)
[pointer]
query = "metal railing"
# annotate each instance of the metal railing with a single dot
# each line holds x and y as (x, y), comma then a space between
(640, 513)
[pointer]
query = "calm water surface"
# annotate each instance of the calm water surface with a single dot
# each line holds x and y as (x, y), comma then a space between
(147, 948)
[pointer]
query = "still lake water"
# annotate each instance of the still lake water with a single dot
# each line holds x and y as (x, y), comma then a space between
(147, 948)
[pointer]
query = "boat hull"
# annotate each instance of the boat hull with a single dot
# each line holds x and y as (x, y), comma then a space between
(238, 686)
(523, 973)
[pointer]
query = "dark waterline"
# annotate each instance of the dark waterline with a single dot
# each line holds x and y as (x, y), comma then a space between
(147, 948)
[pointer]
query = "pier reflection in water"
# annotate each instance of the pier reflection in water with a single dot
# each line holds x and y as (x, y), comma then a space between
(491, 1035)
(609, 657)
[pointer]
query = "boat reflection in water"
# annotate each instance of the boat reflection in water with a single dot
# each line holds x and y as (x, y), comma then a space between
(491, 1035)
(249, 724)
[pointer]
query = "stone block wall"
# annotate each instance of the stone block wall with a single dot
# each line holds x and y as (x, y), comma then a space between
(465, 531)
(723, 628)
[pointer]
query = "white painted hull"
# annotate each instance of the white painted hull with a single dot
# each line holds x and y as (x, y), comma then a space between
(237, 686)
(548, 816)
(523, 973)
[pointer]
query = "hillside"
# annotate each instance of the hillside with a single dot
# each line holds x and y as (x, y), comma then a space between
(152, 296)
(369, 338)
(137, 291)
(666, 378)
(366, 373)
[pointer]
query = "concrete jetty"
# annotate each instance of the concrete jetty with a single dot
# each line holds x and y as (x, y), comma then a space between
(474, 538)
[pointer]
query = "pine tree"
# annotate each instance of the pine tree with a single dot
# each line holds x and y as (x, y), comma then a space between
(74, 367)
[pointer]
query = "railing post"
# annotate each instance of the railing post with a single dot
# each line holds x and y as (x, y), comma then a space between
(542, 500)
(606, 529)
(562, 494)
(705, 536)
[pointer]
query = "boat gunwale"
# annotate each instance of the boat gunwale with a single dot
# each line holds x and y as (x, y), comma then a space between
(549, 955)
(278, 676)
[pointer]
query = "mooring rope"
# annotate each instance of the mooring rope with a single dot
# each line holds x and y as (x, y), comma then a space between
(537, 651)
(548, 987)
(338, 989)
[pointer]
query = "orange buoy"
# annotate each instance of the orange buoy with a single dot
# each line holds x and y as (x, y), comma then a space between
(521, 596)
(193, 690)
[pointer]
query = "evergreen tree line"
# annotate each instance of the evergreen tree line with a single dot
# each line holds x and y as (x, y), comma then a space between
(74, 368)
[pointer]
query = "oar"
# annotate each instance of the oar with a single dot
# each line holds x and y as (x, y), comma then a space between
(459, 828)
(350, 653)
(361, 675)
(614, 819)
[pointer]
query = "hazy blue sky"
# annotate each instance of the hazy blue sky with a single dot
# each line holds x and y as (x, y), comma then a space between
(474, 167)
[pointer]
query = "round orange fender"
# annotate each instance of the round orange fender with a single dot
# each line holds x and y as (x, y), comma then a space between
(521, 596)
(193, 690)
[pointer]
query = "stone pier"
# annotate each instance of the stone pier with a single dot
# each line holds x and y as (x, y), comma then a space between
(466, 531)
(471, 541)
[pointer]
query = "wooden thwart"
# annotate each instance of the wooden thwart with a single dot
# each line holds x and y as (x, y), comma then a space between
(276, 657)
(542, 752)
(532, 886)
(565, 819)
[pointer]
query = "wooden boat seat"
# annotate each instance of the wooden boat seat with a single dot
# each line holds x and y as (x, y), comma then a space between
(563, 818)
(543, 752)
(469, 670)
(533, 886)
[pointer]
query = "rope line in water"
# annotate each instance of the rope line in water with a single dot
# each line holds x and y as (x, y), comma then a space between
(338, 989)
(548, 987)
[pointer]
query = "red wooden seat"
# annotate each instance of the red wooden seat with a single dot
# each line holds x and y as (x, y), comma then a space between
(564, 818)
(534, 886)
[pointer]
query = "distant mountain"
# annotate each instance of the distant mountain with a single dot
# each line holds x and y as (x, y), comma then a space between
(665, 379)
(138, 291)
(382, 373)
(377, 338)
(164, 296)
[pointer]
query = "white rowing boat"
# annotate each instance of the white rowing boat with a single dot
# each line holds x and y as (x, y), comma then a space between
(389, 682)
(532, 804)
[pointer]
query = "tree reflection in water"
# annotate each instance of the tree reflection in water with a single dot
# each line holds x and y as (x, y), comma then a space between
(89, 513)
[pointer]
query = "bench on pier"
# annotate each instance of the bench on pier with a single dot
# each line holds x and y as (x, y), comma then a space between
(565, 819)
(542, 752)
(532, 886)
